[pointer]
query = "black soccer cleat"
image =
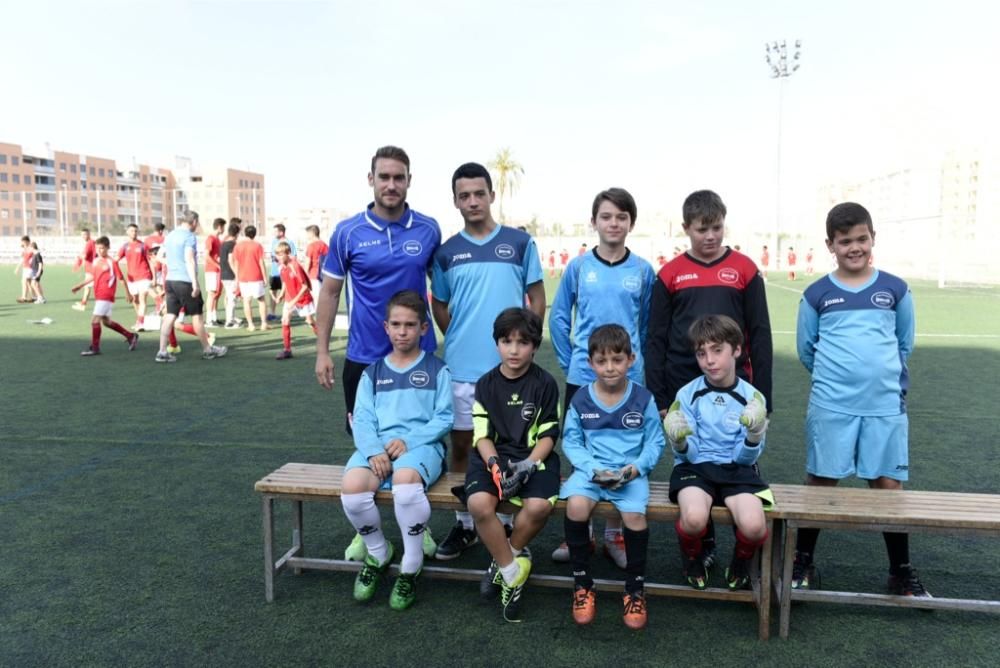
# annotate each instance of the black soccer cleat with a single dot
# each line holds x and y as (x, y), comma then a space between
(456, 542)
(906, 583)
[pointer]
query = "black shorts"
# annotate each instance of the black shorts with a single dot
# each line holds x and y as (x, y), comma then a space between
(276, 283)
(543, 483)
(179, 297)
(720, 481)
(351, 378)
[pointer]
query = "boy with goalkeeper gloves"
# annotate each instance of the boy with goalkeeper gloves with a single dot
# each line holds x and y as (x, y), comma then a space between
(515, 420)
(716, 428)
(613, 438)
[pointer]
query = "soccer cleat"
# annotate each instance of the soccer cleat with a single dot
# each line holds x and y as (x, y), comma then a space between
(357, 550)
(634, 614)
(561, 553)
(366, 582)
(174, 350)
(584, 605)
(738, 574)
(906, 583)
(708, 556)
(429, 545)
(510, 594)
(90, 352)
(79, 307)
(404, 591)
(210, 338)
(804, 574)
(214, 352)
(457, 540)
(211, 324)
(165, 358)
(232, 325)
(615, 550)
(272, 317)
(284, 355)
(490, 583)
(133, 341)
(40, 300)
(695, 573)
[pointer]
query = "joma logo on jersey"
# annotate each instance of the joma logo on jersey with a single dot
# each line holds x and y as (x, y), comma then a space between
(419, 378)
(366, 244)
(632, 420)
(412, 247)
(835, 300)
(590, 416)
(680, 278)
(461, 256)
(504, 251)
(384, 381)
(883, 299)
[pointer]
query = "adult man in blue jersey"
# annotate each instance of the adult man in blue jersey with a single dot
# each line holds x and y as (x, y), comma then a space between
(386, 248)
(480, 271)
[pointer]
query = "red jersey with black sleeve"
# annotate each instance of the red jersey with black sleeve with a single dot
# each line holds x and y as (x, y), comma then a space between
(293, 277)
(686, 289)
(136, 261)
(106, 275)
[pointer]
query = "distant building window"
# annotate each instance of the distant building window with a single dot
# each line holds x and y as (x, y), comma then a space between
(3, 177)
(17, 178)
(76, 217)
(72, 184)
(100, 172)
(3, 159)
(143, 178)
(4, 214)
(62, 166)
(15, 160)
(72, 167)
(93, 171)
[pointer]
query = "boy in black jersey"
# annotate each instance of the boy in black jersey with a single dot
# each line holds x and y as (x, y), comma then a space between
(515, 420)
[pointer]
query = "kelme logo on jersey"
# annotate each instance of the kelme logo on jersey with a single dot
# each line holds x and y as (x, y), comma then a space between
(515, 400)
(419, 378)
(528, 412)
(728, 275)
(412, 247)
(632, 420)
(504, 251)
(883, 299)
(632, 283)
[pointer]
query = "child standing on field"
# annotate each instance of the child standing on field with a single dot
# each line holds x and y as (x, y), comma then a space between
(716, 428)
(613, 438)
(105, 275)
(297, 291)
(855, 335)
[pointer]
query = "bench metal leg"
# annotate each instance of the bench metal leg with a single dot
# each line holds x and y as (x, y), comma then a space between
(268, 514)
(788, 559)
(297, 532)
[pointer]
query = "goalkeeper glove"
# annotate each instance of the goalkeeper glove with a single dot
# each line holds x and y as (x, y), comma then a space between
(516, 475)
(493, 466)
(606, 477)
(677, 427)
(626, 474)
(754, 418)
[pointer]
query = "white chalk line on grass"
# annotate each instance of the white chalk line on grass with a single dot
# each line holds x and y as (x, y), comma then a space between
(788, 332)
(137, 441)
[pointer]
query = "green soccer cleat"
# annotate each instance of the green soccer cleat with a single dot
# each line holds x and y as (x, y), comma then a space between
(430, 545)
(367, 581)
(356, 551)
(510, 594)
(404, 592)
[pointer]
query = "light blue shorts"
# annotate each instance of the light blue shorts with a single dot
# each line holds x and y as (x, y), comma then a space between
(632, 498)
(840, 445)
(427, 461)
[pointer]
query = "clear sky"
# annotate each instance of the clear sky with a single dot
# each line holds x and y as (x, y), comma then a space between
(658, 97)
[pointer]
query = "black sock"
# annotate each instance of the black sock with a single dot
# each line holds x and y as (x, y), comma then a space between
(898, 547)
(636, 544)
(708, 540)
(806, 542)
(578, 541)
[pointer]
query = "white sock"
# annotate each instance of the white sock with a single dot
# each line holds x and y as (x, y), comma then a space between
(507, 519)
(412, 512)
(465, 518)
(510, 572)
(364, 516)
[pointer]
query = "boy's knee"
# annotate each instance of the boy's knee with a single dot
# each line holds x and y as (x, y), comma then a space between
(579, 508)
(693, 520)
(538, 509)
(357, 481)
(753, 527)
(635, 521)
(406, 476)
(482, 505)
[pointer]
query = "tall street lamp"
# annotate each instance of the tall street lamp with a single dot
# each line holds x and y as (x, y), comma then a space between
(781, 67)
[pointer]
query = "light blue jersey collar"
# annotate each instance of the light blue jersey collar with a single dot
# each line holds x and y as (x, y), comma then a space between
(485, 240)
(610, 409)
(855, 290)
(415, 362)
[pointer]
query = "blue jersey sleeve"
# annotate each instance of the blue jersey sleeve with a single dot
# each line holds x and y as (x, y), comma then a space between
(653, 440)
(646, 305)
(807, 334)
(440, 289)
(574, 445)
(434, 430)
(365, 420)
(336, 265)
(906, 325)
(532, 264)
(561, 318)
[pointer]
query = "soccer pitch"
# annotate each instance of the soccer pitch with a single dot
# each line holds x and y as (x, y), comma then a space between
(131, 534)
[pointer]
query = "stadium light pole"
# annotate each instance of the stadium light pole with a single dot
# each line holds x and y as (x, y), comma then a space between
(781, 68)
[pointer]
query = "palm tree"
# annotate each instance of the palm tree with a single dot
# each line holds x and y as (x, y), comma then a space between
(508, 175)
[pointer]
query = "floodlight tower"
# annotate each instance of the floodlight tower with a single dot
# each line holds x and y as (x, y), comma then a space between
(781, 68)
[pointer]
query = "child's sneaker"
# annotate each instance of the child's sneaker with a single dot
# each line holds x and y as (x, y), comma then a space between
(133, 341)
(214, 352)
(90, 352)
(695, 573)
(561, 554)
(457, 540)
(284, 355)
(615, 550)
(635, 610)
(906, 583)
(366, 582)
(165, 358)
(404, 591)
(584, 605)
(804, 573)
(738, 574)
(490, 583)
(357, 550)
(510, 595)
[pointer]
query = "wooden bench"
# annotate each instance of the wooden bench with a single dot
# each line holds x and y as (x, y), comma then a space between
(314, 482)
(878, 510)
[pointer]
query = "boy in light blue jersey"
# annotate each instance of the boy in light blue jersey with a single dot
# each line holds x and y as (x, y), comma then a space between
(855, 334)
(402, 414)
(613, 438)
(477, 273)
(607, 285)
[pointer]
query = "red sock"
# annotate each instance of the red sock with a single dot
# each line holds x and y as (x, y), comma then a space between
(95, 335)
(173, 339)
(187, 329)
(744, 547)
(118, 328)
(690, 544)
(286, 336)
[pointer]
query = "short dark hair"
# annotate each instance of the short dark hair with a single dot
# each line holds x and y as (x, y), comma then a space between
(471, 170)
(520, 320)
(715, 329)
(190, 217)
(609, 338)
(233, 230)
(620, 197)
(410, 299)
(250, 231)
(159, 227)
(236, 221)
(132, 225)
(703, 205)
(391, 153)
(102, 241)
(218, 223)
(26, 238)
(85, 229)
(846, 215)
(314, 229)
(280, 227)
